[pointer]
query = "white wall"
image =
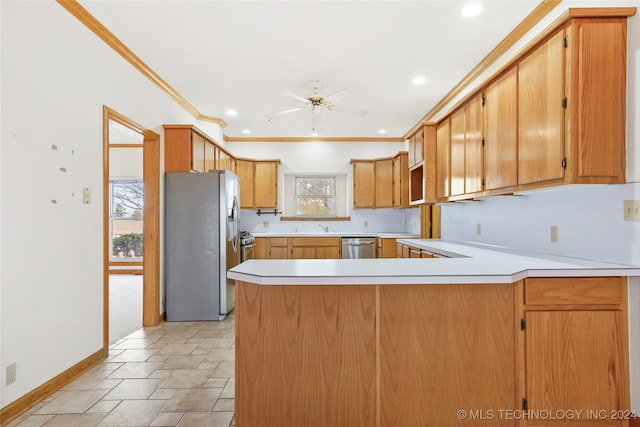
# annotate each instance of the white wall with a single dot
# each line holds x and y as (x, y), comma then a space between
(327, 158)
(590, 218)
(56, 76)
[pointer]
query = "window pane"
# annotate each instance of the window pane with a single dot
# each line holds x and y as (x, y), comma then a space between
(315, 206)
(127, 204)
(315, 186)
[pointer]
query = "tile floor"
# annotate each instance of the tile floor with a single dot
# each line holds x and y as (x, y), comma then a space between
(176, 374)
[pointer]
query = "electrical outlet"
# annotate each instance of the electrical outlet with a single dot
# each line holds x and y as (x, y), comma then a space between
(86, 195)
(632, 210)
(265, 224)
(478, 229)
(10, 375)
(554, 233)
(366, 224)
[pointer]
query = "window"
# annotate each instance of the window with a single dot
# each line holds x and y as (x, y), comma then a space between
(127, 204)
(315, 195)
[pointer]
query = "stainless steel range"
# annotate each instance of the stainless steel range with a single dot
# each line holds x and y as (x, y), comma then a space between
(247, 244)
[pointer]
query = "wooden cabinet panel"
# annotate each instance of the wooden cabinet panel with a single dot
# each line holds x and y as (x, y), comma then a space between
(598, 49)
(574, 360)
(540, 113)
(574, 290)
(328, 252)
(385, 247)
(445, 347)
(443, 159)
(198, 144)
(500, 132)
(473, 173)
(177, 150)
(303, 252)
(209, 156)
(414, 252)
(363, 184)
(458, 128)
(278, 252)
(261, 249)
(265, 191)
(401, 181)
(416, 147)
(383, 170)
(311, 364)
(245, 172)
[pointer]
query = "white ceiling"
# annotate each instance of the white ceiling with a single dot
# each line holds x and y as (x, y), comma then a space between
(246, 56)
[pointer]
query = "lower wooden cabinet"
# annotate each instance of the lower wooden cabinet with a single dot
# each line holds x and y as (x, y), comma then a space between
(298, 248)
(385, 247)
(575, 340)
(434, 354)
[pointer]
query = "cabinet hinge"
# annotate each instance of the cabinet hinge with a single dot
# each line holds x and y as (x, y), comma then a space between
(564, 163)
(564, 102)
(483, 142)
(525, 404)
(565, 41)
(523, 324)
(482, 182)
(483, 100)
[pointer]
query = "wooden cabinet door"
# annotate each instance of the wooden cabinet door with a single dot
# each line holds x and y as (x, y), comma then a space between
(457, 169)
(209, 156)
(473, 173)
(383, 170)
(597, 100)
(245, 172)
(197, 152)
(540, 113)
(328, 252)
(500, 132)
(400, 181)
(363, 184)
(443, 159)
(303, 252)
(266, 185)
(416, 147)
(278, 252)
(261, 249)
(574, 360)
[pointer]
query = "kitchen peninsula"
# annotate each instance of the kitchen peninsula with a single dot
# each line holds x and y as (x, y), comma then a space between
(480, 335)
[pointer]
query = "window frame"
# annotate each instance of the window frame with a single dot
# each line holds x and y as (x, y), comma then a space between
(333, 197)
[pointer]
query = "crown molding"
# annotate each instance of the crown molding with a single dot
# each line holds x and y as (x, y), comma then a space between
(89, 21)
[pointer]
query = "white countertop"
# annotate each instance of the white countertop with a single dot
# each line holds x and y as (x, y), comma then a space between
(398, 235)
(470, 263)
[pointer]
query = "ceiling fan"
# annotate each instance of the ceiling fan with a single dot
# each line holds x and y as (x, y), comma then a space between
(317, 102)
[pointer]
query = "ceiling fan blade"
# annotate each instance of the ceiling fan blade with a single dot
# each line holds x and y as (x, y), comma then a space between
(268, 117)
(298, 97)
(341, 94)
(344, 109)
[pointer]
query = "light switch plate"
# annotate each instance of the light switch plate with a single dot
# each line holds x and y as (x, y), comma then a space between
(554, 233)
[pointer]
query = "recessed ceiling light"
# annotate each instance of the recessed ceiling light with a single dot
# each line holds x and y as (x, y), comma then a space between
(382, 131)
(314, 134)
(231, 113)
(472, 9)
(246, 131)
(419, 80)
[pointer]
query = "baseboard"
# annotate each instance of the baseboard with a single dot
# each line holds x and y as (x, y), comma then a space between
(14, 409)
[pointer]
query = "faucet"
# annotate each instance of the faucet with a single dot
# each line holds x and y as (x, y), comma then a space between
(324, 227)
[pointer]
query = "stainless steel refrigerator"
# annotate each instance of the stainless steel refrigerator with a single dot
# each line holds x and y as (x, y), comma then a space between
(202, 219)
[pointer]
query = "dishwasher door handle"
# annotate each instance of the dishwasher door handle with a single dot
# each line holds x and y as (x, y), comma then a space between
(359, 243)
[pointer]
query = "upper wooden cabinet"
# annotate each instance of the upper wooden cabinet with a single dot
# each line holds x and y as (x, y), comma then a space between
(381, 183)
(443, 159)
(400, 181)
(187, 149)
(541, 113)
(265, 187)
(246, 174)
(416, 147)
(384, 183)
(554, 115)
(500, 132)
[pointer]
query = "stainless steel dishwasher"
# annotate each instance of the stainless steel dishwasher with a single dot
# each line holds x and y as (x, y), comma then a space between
(358, 247)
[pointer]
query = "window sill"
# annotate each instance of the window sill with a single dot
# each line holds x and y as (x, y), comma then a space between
(315, 218)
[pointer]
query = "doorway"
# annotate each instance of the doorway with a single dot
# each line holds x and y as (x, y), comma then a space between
(131, 226)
